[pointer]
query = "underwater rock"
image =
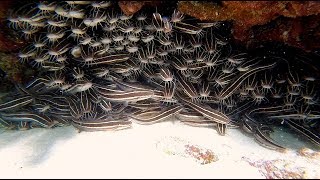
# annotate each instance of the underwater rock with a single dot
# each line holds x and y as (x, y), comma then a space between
(16, 72)
(246, 15)
(8, 42)
(300, 32)
(130, 7)
(4, 5)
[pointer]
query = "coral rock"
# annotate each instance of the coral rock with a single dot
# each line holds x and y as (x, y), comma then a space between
(247, 14)
(7, 43)
(16, 72)
(302, 32)
(130, 7)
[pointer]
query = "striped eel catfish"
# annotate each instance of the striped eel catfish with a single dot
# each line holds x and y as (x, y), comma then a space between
(79, 86)
(195, 119)
(165, 75)
(206, 111)
(156, 115)
(85, 103)
(118, 108)
(188, 114)
(236, 83)
(248, 124)
(311, 135)
(144, 105)
(146, 113)
(129, 96)
(261, 136)
(199, 123)
(6, 124)
(295, 116)
(260, 133)
(204, 122)
(22, 125)
(103, 123)
(39, 119)
(130, 86)
(221, 128)
(16, 103)
(198, 120)
(59, 103)
(75, 109)
(110, 59)
(271, 110)
(187, 28)
(105, 105)
(120, 68)
(166, 95)
(61, 117)
(187, 87)
(41, 108)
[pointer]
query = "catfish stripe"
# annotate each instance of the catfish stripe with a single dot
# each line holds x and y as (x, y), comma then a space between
(313, 136)
(187, 87)
(102, 125)
(199, 123)
(16, 103)
(187, 28)
(263, 139)
(221, 129)
(189, 115)
(234, 86)
(4, 123)
(130, 86)
(208, 112)
(127, 96)
(157, 117)
(111, 59)
(144, 105)
(42, 120)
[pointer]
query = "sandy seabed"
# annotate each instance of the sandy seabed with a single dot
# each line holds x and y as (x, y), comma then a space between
(146, 151)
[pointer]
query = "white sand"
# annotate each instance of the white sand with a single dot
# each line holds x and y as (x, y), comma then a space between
(132, 153)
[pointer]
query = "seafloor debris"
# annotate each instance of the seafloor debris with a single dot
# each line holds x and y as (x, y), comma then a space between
(309, 153)
(247, 14)
(205, 156)
(279, 169)
(186, 149)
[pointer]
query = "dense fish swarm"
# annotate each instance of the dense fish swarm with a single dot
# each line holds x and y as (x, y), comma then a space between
(102, 70)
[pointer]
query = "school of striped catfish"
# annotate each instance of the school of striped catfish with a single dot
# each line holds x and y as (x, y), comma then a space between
(99, 69)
